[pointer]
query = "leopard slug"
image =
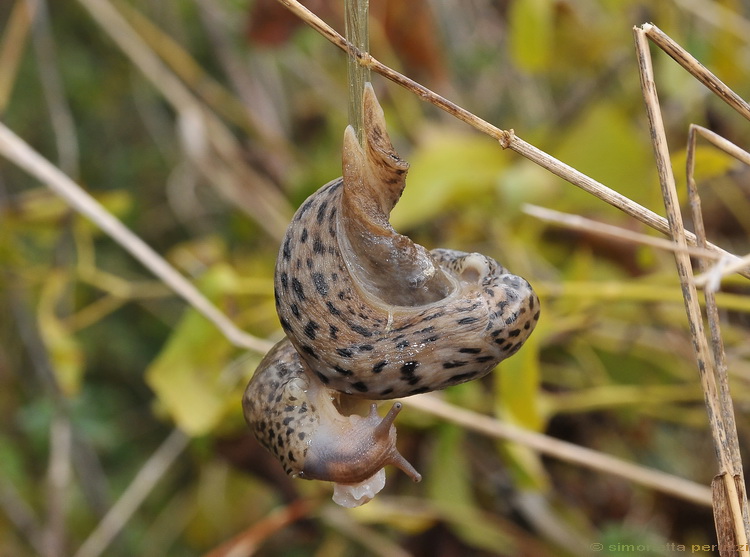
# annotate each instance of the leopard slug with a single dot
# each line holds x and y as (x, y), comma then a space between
(370, 314)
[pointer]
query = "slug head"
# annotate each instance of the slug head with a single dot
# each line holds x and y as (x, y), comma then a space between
(352, 449)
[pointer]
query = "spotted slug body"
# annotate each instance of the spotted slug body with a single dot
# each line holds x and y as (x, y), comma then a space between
(370, 314)
(296, 418)
(374, 314)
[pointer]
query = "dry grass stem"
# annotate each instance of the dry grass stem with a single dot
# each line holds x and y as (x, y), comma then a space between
(219, 156)
(696, 69)
(507, 138)
(134, 495)
(711, 277)
(22, 155)
(576, 222)
(188, 70)
(732, 494)
(59, 476)
(369, 538)
(21, 516)
(60, 113)
(12, 47)
(619, 291)
(248, 541)
(568, 452)
(717, 141)
(600, 191)
(724, 434)
(247, 105)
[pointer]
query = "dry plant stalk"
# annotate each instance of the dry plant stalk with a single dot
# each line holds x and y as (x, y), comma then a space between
(507, 138)
(12, 47)
(22, 155)
(730, 498)
(568, 452)
(209, 144)
(722, 268)
(134, 495)
(729, 491)
(719, 406)
(248, 541)
(583, 224)
(356, 13)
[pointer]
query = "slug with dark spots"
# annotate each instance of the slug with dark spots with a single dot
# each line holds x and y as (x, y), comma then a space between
(370, 314)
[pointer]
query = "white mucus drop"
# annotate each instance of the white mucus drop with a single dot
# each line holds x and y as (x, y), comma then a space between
(355, 495)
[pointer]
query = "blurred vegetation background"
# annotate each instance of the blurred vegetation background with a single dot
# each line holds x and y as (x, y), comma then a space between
(106, 376)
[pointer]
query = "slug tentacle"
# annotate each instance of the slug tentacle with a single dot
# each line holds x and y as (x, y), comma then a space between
(370, 314)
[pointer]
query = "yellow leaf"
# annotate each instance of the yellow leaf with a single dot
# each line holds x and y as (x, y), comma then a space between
(187, 374)
(531, 26)
(709, 163)
(519, 386)
(518, 403)
(605, 144)
(448, 480)
(63, 349)
(445, 168)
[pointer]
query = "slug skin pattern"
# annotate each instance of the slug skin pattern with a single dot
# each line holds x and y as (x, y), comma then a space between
(369, 313)
(280, 407)
(375, 315)
(295, 418)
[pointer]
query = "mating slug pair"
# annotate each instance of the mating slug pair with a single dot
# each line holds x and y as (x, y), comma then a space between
(370, 314)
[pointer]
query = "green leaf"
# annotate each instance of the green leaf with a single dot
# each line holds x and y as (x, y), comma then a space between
(518, 403)
(62, 346)
(531, 27)
(519, 386)
(445, 168)
(478, 529)
(449, 477)
(449, 484)
(187, 374)
(607, 146)
(710, 163)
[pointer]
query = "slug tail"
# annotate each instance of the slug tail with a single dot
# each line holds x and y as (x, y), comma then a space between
(388, 266)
